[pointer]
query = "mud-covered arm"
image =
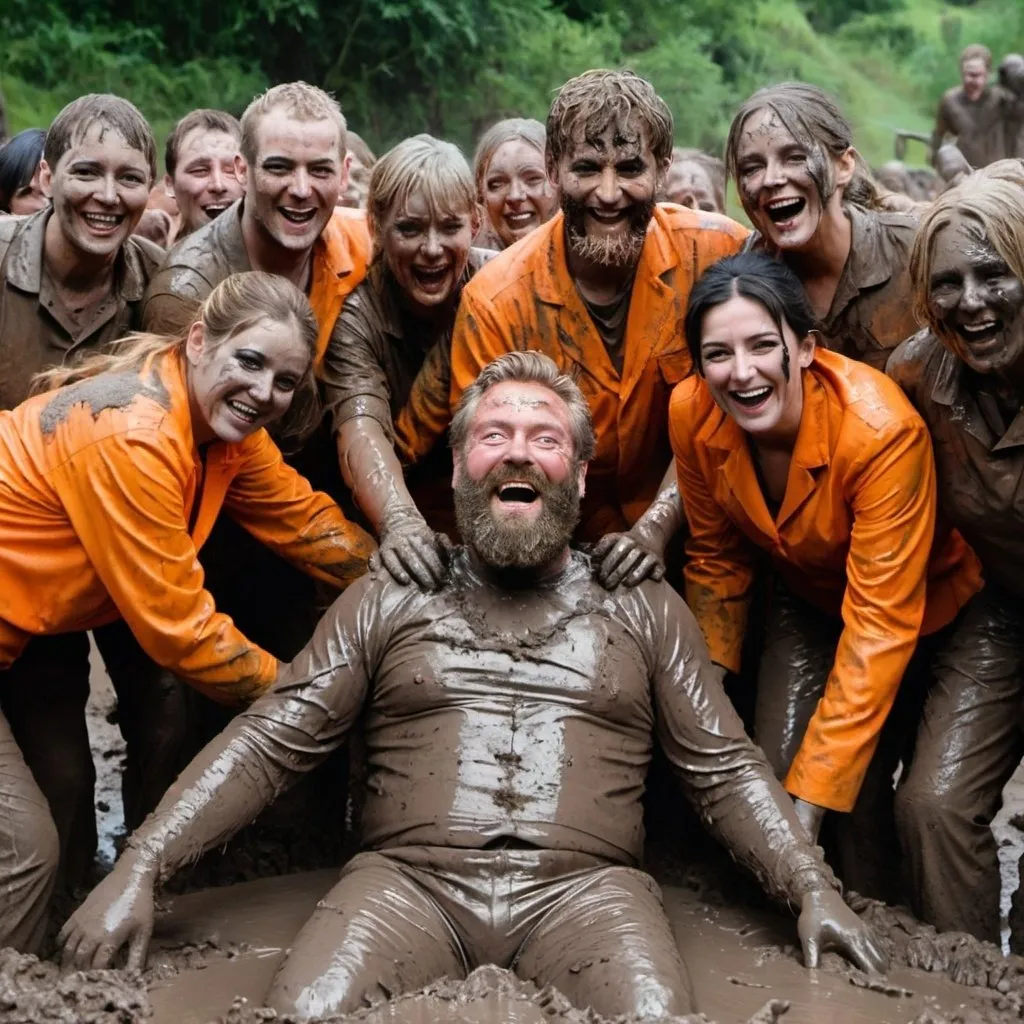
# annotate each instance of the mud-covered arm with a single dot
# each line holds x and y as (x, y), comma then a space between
(724, 775)
(892, 496)
(125, 500)
(279, 508)
(172, 300)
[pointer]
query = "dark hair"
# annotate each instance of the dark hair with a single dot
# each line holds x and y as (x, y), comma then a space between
(755, 276)
(18, 162)
(71, 124)
(208, 120)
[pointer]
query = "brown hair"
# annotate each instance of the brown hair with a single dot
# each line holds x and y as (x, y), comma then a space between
(112, 112)
(713, 167)
(304, 102)
(424, 163)
(590, 102)
(527, 368)
(206, 119)
(994, 199)
(815, 121)
(976, 51)
(522, 129)
(239, 302)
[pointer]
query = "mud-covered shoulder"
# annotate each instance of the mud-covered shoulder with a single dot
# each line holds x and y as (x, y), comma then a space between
(10, 228)
(915, 361)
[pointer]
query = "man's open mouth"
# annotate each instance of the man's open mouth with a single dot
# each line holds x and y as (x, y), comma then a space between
(979, 333)
(215, 209)
(781, 210)
(518, 493)
(751, 397)
(294, 216)
(608, 216)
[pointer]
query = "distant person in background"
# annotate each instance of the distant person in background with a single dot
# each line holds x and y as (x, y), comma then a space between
(974, 112)
(696, 179)
(20, 192)
(512, 182)
(363, 159)
(1011, 78)
(200, 158)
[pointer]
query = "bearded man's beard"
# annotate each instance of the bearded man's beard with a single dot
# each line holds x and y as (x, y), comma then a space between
(514, 543)
(619, 251)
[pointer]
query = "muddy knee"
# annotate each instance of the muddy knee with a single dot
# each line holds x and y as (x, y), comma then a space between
(28, 871)
(339, 991)
(921, 806)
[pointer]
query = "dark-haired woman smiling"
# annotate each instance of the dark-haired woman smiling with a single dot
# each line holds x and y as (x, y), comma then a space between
(819, 463)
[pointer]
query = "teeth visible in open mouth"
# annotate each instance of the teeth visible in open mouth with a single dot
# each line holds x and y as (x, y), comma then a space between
(608, 217)
(215, 209)
(783, 209)
(979, 329)
(516, 491)
(247, 412)
(102, 220)
(752, 395)
(297, 216)
(519, 220)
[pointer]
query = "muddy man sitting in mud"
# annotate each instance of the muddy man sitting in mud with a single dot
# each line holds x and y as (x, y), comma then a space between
(509, 724)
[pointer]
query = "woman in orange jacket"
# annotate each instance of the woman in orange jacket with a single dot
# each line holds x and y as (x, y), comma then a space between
(109, 485)
(817, 465)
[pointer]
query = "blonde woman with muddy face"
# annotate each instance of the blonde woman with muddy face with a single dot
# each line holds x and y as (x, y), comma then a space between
(819, 463)
(965, 375)
(111, 484)
(815, 206)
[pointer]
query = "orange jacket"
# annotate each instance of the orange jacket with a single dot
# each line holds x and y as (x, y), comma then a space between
(854, 536)
(104, 503)
(525, 298)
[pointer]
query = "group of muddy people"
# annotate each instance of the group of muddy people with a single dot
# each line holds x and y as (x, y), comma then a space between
(595, 469)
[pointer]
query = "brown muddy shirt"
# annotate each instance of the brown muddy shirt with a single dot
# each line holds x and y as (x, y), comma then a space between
(36, 331)
(979, 460)
(493, 713)
(871, 312)
(980, 127)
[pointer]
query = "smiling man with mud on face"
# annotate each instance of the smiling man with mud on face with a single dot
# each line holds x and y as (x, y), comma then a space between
(510, 719)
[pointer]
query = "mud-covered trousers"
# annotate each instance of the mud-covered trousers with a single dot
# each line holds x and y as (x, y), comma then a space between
(402, 918)
(954, 727)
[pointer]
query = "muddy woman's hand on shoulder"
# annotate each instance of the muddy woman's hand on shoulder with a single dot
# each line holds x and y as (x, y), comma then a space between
(118, 912)
(827, 923)
(412, 552)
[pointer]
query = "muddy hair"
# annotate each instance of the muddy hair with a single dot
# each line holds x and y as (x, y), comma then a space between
(206, 119)
(239, 302)
(527, 368)
(112, 112)
(420, 164)
(752, 275)
(512, 129)
(993, 198)
(976, 51)
(815, 121)
(19, 159)
(302, 101)
(587, 104)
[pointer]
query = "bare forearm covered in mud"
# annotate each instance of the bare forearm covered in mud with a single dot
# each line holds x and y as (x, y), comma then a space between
(409, 549)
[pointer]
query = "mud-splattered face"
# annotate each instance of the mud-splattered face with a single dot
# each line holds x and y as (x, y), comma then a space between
(517, 481)
(607, 185)
(517, 192)
(246, 382)
(753, 369)
(205, 181)
(99, 190)
(781, 183)
(689, 184)
(976, 299)
(299, 173)
(427, 249)
(28, 198)
(974, 76)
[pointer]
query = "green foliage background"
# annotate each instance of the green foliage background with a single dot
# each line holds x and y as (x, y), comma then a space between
(451, 67)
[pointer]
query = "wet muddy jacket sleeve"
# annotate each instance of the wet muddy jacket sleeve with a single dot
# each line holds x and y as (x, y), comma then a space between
(123, 497)
(892, 495)
(285, 734)
(279, 508)
(724, 775)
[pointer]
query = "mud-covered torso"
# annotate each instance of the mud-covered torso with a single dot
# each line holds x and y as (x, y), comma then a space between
(494, 714)
(980, 127)
(980, 465)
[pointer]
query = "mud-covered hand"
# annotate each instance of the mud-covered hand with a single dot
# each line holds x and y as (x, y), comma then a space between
(118, 912)
(826, 922)
(810, 816)
(412, 552)
(626, 558)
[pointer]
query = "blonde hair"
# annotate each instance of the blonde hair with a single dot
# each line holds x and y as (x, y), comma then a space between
(994, 199)
(238, 303)
(512, 129)
(419, 164)
(303, 102)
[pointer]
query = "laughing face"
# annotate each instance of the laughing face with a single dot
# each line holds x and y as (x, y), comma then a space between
(752, 368)
(516, 190)
(99, 190)
(298, 176)
(785, 188)
(205, 182)
(517, 481)
(689, 184)
(426, 251)
(976, 299)
(245, 382)
(607, 185)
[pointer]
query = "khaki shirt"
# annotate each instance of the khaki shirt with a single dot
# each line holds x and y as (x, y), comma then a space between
(36, 331)
(980, 465)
